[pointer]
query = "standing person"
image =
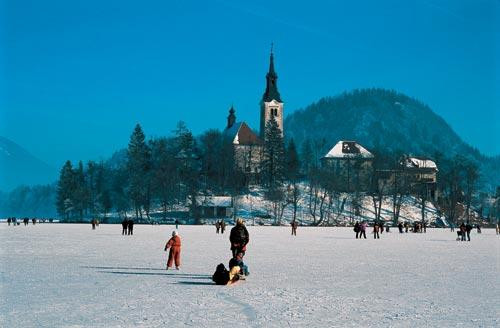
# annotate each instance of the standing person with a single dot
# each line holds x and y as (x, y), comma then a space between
(363, 229)
(357, 229)
(124, 226)
(130, 226)
(222, 226)
(294, 228)
(376, 229)
(217, 226)
(463, 231)
(93, 224)
(175, 250)
(424, 225)
(468, 229)
(8, 220)
(176, 224)
(381, 225)
(478, 227)
(406, 227)
(400, 227)
(239, 237)
(33, 221)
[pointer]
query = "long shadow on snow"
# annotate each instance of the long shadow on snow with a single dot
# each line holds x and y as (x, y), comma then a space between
(198, 283)
(156, 269)
(180, 275)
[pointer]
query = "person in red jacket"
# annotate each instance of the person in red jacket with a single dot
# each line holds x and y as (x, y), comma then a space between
(175, 250)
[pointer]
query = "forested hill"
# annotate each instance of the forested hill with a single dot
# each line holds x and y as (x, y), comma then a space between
(385, 120)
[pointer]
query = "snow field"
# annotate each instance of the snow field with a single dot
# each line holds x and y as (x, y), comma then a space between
(62, 275)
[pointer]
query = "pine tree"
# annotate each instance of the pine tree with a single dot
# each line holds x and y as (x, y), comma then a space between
(65, 190)
(292, 162)
(139, 165)
(273, 164)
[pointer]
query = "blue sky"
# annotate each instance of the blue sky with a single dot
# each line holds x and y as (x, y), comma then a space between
(76, 76)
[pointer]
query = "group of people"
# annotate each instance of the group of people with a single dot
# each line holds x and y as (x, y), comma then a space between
(94, 223)
(464, 231)
(417, 227)
(15, 222)
(220, 226)
(127, 227)
(360, 229)
(238, 270)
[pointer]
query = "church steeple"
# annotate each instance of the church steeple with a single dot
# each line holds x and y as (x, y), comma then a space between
(231, 118)
(271, 92)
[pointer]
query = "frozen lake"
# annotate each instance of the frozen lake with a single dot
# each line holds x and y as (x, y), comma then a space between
(56, 275)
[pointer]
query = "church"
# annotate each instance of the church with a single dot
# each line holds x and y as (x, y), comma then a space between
(248, 146)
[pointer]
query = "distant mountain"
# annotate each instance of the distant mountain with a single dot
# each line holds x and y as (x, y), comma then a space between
(388, 120)
(19, 167)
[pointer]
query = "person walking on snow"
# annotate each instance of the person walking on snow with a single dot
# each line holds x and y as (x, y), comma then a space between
(294, 228)
(174, 244)
(222, 226)
(357, 229)
(376, 229)
(130, 226)
(462, 231)
(363, 229)
(239, 237)
(468, 229)
(217, 226)
(124, 227)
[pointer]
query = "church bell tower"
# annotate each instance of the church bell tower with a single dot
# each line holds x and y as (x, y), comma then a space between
(271, 105)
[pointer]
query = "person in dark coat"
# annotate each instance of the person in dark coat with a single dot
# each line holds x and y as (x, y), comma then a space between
(463, 231)
(294, 228)
(357, 229)
(93, 224)
(478, 227)
(222, 226)
(400, 227)
(239, 238)
(8, 221)
(362, 229)
(381, 226)
(468, 229)
(124, 226)
(130, 226)
(217, 226)
(376, 229)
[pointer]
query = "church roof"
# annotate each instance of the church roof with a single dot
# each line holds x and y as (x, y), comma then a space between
(241, 134)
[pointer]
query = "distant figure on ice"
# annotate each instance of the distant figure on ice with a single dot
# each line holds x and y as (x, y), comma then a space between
(376, 229)
(468, 229)
(400, 227)
(238, 261)
(463, 231)
(26, 221)
(175, 251)
(407, 226)
(478, 227)
(176, 224)
(239, 237)
(92, 222)
(222, 226)
(294, 225)
(8, 220)
(217, 226)
(33, 221)
(381, 226)
(124, 226)
(424, 225)
(130, 226)
(362, 229)
(357, 229)
(498, 229)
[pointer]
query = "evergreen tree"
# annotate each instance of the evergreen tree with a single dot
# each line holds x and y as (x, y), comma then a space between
(292, 162)
(65, 189)
(139, 165)
(81, 192)
(273, 164)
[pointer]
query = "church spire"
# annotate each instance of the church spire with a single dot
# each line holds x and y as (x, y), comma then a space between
(231, 119)
(271, 82)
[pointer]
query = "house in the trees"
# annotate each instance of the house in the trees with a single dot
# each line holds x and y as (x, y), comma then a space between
(421, 175)
(214, 207)
(350, 165)
(247, 145)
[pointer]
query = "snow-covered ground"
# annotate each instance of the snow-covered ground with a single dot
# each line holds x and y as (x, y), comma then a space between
(57, 275)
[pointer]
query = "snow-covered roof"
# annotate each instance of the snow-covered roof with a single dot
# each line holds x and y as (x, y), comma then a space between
(348, 149)
(219, 201)
(421, 163)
